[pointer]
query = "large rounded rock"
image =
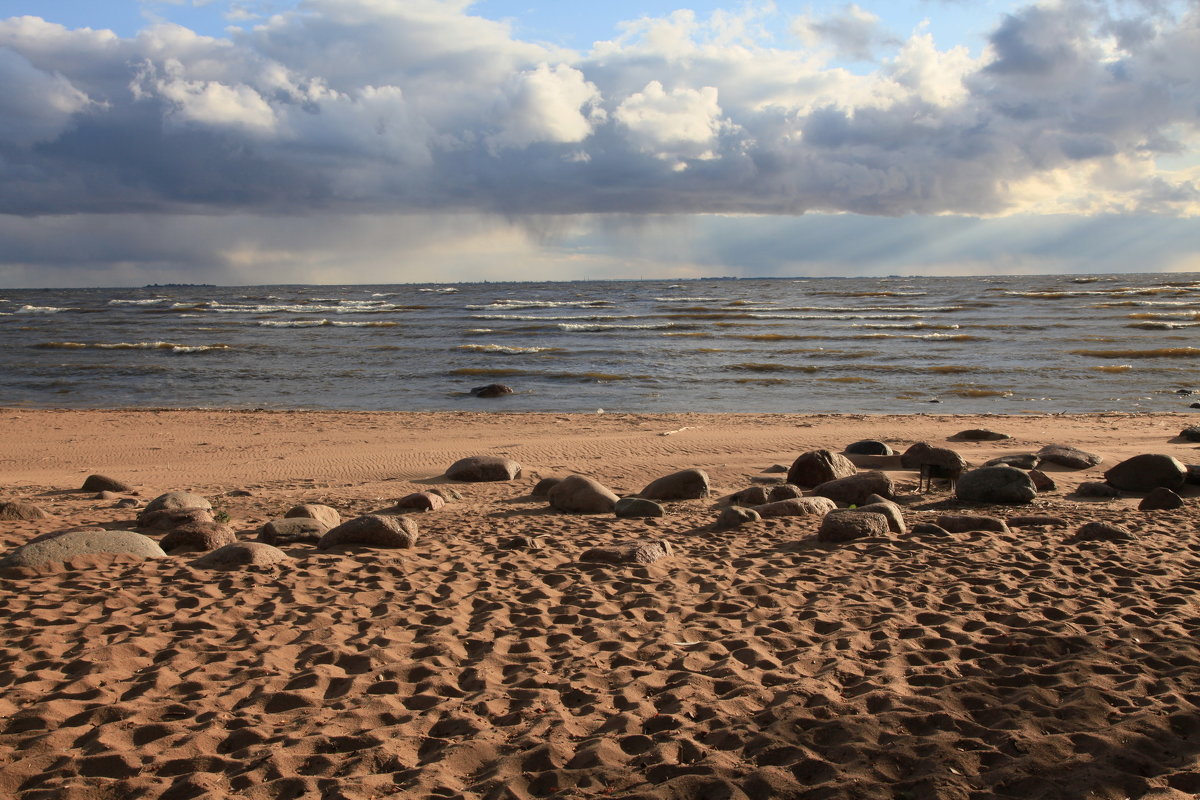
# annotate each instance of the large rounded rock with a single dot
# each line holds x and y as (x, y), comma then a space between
(1101, 532)
(326, 515)
(750, 496)
(481, 469)
(1097, 489)
(687, 484)
(924, 454)
(819, 466)
(576, 494)
(16, 511)
(646, 551)
(1018, 460)
(372, 530)
(868, 447)
(964, 523)
(198, 536)
(980, 435)
(241, 554)
(543, 487)
(784, 491)
(1161, 499)
(73, 544)
(735, 516)
(173, 501)
(856, 489)
(1191, 434)
(293, 530)
(796, 507)
(1070, 457)
(637, 508)
(103, 483)
(890, 512)
(421, 501)
(1007, 485)
(166, 520)
(1147, 471)
(845, 526)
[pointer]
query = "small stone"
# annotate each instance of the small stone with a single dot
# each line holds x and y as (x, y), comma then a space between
(927, 529)
(522, 543)
(640, 552)
(447, 493)
(1161, 499)
(543, 487)
(1018, 460)
(1096, 489)
(126, 502)
(106, 495)
(774, 468)
(845, 526)
(491, 390)
(1191, 434)
(239, 493)
(637, 508)
(735, 516)
(1036, 521)
(980, 435)
(784, 491)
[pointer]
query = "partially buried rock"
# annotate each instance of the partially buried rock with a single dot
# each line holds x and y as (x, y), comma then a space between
(372, 530)
(1193, 476)
(66, 546)
(963, 523)
(293, 530)
(855, 489)
(890, 512)
(1070, 457)
(646, 551)
(326, 515)
(927, 529)
(15, 511)
(1101, 532)
(637, 508)
(868, 447)
(522, 543)
(241, 554)
(1147, 471)
(784, 491)
(750, 496)
(126, 502)
(980, 435)
(1036, 521)
(165, 520)
(447, 493)
(198, 536)
(687, 484)
(735, 516)
(544, 486)
(1097, 489)
(1161, 499)
(1041, 481)
(481, 469)
(845, 526)
(421, 501)
(796, 507)
(1007, 485)
(1018, 460)
(174, 501)
(103, 483)
(491, 390)
(577, 494)
(819, 466)
(1191, 434)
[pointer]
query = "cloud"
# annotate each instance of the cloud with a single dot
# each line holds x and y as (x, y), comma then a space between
(387, 107)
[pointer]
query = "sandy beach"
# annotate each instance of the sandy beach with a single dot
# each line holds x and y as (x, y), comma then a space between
(755, 662)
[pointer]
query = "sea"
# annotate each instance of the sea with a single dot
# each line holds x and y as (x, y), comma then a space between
(996, 345)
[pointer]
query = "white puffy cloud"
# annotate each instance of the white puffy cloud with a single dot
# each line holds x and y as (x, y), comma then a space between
(679, 124)
(546, 104)
(35, 106)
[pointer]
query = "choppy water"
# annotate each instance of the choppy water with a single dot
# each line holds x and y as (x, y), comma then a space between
(978, 345)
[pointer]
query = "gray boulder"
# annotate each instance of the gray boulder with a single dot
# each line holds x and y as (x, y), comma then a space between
(17, 510)
(735, 516)
(173, 501)
(637, 508)
(1070, 457)
(819, 466)
(890, 512)
(103, 483)
(963, 523)
(855, 489)
(1018, 460)
(293, 530)
(326, 515)
(73, 544)
(241, 554)
(796, 507)
(868, 447)
(687, 484)
(845, 526)
(1161, 499)
(1097, 489)
(980, 435)
(1147, 471)
(784, 491)
(646, 551)
(1007, 485)
(372, 530)
(481, 469)
(750, 496)
(198, 536)
(421, 501)
(576, 494)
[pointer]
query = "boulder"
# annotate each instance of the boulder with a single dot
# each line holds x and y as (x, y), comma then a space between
(751, 496)
(126, 502)
(326, 515)
(1007, 485)
(165, 520)
(1161, 499)
(481, 469)
(293, 530)
(173, 501)
(1070, 457)
(1101, 532)
(923, 453)
(241, 554)
(1147, 471)
(855, 489)
(1191, 434)
(491, 390)
(845, 526)
(103, 483)
(372, 530)
(1096, 489)
(1036, 521)
(73, 544)
(980, 435)
(447, 493)
(199, 536)
(1193, 476)
(1018, 460)
(421, 501)
(16, 510)
(963, 523)
(819, 466)
(868, 447)
(576, 494)
(1041, 481)
(927, 529)
(796, 507)
(687, 484)
(543, 487)
(637, 508)
(735, 516)
(784, 491)
(645, 551)
(890, 511)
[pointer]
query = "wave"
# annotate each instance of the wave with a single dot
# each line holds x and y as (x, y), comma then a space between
(1187, 316)
(170, 346)
(443, 290)
(877, 293)
(593, 328)
(495, 372)
(508, 349)
(1112, 368)
(500, 304)
(763, 381)
(761, 367)
(138, 302)
(1162, 326)
(973, 391)
(848, 379)
(549, 318)
(1161, 352)
(324, 323)
(42, 310)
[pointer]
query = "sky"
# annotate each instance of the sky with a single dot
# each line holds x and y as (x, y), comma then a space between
(380, 141)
